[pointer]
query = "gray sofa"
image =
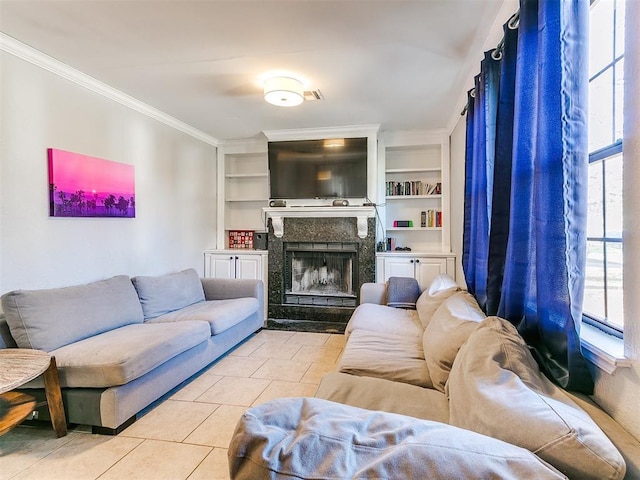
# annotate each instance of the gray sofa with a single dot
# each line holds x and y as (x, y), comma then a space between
(456, 393)
(122, 343)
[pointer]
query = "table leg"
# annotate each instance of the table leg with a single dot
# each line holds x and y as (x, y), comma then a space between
(54, 399)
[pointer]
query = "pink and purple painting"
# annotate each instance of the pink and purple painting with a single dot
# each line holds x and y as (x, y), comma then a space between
(83, 186)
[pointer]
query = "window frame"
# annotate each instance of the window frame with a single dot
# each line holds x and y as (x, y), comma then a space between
(602, 155)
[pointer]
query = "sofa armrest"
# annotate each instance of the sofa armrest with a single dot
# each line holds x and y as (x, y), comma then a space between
(373, 293)
(6, 340)
(225, 288)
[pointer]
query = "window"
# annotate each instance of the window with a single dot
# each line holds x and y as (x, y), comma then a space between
(603, 286)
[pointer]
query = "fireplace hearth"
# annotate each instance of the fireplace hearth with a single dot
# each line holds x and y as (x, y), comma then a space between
(316, 269)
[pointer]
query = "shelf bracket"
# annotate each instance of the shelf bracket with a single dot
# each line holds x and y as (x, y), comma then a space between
(278, 226)
(362, 227)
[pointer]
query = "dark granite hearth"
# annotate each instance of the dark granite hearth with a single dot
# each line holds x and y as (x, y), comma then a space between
(316, 318)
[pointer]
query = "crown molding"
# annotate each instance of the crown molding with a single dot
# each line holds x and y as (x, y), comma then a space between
(321, 133)
(20, 50)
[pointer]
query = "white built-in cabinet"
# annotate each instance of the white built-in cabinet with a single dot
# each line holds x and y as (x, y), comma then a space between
(232, 263)
(237, 263)
(423, 267)
(411, 160)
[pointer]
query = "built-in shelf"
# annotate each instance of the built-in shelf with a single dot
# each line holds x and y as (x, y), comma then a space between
(409, 197)
(247, 175)
(420, 159)
(261, 200)
(409, 229)
(412, 170)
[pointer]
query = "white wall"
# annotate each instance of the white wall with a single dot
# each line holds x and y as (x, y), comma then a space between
(175, 186)
(457, 149)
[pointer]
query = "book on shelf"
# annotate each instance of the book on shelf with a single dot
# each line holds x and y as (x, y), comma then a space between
(391, 244)
(402, 223)
(416, 187)
(433, 218)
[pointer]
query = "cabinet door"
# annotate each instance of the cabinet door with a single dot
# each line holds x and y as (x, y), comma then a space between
(398, 267)
(427, 269)
(249, 267)
(220, 266)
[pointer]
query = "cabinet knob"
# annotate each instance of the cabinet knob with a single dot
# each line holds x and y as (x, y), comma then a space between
(417, 260)
(231, 258)
(411, 261)
(236, 257)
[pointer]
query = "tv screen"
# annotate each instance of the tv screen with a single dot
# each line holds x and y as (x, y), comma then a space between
(333, 168)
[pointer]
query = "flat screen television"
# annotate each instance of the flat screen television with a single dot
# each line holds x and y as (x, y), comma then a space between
(310, 169)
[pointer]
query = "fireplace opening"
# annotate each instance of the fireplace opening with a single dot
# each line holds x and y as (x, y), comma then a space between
(320, 273)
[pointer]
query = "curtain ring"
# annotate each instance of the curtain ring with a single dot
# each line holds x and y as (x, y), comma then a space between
(497, 53)
(514, 21)
(473, 92)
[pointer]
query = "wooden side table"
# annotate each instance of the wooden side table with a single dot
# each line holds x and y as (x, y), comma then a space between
(20, 365)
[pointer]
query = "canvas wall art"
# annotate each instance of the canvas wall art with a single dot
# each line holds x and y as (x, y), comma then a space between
(83, 186)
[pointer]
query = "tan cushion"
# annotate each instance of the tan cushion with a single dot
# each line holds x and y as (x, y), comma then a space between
(220, 314)
(441, 288)
(495, 388)
(118, 356)
(449, 328)
(166, 293)
(383, 319)
(309, 438)
(385, 395)
(383, 355)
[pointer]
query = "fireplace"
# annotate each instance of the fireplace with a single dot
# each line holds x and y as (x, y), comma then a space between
(319, 273)
(316, 267)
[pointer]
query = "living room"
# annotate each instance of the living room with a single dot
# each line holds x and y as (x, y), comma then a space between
(52, 102)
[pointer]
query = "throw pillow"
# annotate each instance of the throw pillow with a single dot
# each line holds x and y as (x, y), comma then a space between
(402, 292)
(495, 388)
(442, 287)
(449, 328)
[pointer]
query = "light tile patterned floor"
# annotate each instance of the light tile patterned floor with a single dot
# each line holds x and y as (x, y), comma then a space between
(186, 435)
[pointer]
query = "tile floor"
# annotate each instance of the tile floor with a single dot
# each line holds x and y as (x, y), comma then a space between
(185, 436)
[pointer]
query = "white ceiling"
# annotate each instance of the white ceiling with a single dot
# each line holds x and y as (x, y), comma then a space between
(402, 64)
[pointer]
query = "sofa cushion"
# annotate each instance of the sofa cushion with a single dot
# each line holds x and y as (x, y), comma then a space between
(48, 319)
(441, 288)
(385, 395)
(220, 314)
(383, 355)
(118, 356)
(383, 319)
(449, 328)
(309, 438)
(495, 388)
(167, 293)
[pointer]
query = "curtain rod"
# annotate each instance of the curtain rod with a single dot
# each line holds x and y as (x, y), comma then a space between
(512, 24)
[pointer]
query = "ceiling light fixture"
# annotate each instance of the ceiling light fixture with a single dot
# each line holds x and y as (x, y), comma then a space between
(334, 143)
(283, 91)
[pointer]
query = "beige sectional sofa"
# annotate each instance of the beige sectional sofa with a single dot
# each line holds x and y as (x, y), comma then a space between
(462, 386)
(122, 343)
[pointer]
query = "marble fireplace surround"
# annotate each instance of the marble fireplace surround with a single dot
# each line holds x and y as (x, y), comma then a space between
(317, 225)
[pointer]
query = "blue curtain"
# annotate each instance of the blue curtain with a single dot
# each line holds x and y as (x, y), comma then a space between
(525, 203)
(479, 176)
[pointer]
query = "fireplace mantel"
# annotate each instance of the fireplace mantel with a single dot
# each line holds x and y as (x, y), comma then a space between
(278, 214)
